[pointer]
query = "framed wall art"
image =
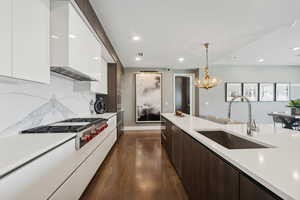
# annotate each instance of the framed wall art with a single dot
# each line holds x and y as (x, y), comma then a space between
(282, 92)
(250, 90)
(232, 90)
(148, 97)
(266, 92)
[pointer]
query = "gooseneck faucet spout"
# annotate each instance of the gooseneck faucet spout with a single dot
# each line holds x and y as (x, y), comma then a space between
(251, 125)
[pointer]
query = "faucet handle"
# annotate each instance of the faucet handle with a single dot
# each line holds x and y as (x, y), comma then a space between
(254, 123)
(254, 126)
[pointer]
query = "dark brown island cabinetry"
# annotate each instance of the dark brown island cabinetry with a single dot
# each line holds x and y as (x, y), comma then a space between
(166, 136)
(204, 174)
(249, 190)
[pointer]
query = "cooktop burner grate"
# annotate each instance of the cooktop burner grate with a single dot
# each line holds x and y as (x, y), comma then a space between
(73, 125)
(81, 120)
(55, 129)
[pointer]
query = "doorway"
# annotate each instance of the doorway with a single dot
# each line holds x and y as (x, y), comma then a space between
(183, 93)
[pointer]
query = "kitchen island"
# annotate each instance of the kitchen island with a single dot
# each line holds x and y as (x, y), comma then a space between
(208, 170)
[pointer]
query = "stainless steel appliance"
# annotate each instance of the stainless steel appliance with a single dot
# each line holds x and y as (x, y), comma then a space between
(99, 105)
(84, 128)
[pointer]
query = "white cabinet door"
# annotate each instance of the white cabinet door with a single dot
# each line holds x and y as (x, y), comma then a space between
(103, 80)
(79, 40)
(100, 72)
(94, 57)
(31, 21)
(5, 37)
(59, 39)
(96, 67)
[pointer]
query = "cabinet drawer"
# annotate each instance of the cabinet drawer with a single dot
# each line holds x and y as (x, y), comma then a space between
(76, 184)
(112, 123)
(39, 178)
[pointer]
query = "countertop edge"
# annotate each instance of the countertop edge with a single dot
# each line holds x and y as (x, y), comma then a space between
(106, 115)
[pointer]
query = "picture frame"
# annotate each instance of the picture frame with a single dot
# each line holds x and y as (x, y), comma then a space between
(231, 90)
(282, 91)
(250, 90)
(148, 97)
(266, 92)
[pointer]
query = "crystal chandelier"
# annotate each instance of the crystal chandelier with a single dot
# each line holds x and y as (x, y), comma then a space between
(208, 81)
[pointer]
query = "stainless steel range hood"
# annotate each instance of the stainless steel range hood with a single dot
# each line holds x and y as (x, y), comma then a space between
(72, 73)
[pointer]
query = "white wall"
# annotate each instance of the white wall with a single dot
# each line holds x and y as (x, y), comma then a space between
(212, 101)
(28, 104)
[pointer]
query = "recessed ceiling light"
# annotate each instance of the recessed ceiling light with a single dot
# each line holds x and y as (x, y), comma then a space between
(54, 37)
(296, 175)
(138, 58)
(296, 48)
(261, 60)
(96, 58)
(136, 38)
(294, 23)
(72, 36)
(181, 59)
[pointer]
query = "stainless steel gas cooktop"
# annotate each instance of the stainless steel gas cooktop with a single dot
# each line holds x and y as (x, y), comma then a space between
(73, 125)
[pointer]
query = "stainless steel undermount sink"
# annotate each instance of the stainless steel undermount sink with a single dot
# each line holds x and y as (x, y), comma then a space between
(231, 141)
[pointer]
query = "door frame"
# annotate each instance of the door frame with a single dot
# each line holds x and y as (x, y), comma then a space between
(190, 76)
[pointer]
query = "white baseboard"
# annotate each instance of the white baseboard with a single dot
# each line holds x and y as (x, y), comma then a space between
(141, 128)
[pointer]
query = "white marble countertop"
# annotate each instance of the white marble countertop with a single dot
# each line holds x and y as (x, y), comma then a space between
(104, 115)
(276, 168)
(20, 149)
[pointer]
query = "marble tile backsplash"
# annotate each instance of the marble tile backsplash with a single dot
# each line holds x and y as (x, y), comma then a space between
(25, 105)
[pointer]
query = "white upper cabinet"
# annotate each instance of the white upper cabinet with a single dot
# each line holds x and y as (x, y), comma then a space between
(30, 40)
(5, 37)
(75, 45)
(80, 43)
(72, 42)
(103, 76)
(59, 37)
(100, 86)
(24, 39)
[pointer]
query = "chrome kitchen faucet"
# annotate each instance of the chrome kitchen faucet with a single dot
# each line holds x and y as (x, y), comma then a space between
(251, 125)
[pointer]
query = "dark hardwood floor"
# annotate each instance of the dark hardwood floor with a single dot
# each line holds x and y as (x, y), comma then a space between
(136, 169)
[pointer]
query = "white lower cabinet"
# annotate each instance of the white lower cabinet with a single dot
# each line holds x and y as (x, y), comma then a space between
(62, 173)
(76, 184)
(38, 179)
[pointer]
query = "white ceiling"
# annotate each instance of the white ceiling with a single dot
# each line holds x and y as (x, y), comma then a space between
(244, 29)
(274, 48)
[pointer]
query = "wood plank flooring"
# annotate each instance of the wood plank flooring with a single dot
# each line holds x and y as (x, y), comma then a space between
(136, 169)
